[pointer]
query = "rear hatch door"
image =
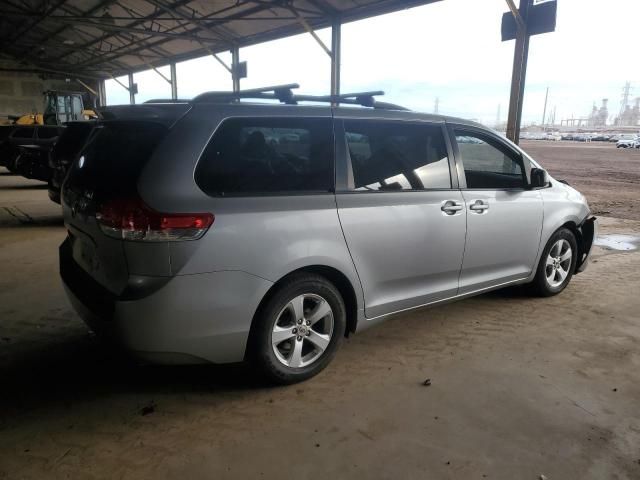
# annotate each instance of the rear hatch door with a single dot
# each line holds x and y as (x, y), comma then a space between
(108, 167)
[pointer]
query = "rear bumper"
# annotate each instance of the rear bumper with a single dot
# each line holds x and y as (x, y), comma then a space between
(183, 319)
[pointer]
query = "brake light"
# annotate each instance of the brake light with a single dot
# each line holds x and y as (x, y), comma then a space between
(131, 219)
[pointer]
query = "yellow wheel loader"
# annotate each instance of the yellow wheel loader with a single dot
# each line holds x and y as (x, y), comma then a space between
(26, 141)
(59, 107)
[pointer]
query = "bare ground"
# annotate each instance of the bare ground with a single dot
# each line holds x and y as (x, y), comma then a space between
(520, 387)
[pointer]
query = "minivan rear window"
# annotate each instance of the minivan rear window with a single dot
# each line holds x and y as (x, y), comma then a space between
(112, 160)
(268, 156)
(71, 141)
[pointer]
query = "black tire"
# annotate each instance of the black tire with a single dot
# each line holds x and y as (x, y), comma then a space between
(261, 352)
(541, 285)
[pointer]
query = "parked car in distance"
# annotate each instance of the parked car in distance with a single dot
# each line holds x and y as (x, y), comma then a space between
(628, 141)
(553, 136)
(191, 238)
(582, 137)
(26, 148)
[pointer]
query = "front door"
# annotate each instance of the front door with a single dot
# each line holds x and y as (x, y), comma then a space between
(403, 222)
(504, 218)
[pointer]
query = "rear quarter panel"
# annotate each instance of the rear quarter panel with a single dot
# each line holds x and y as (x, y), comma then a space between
(266, 236)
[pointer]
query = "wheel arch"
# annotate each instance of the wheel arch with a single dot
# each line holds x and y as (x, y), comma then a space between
(333, 275)
(584, 234)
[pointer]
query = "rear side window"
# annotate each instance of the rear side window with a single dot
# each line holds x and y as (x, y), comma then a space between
(487, 164)
(70, 142)
(23, 132)
(112, 160)
(397, 156)
(49, 132)
(268, 156)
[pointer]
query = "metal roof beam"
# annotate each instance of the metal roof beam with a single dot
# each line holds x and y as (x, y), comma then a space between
(178, 12)
(132, 24)
(62, 29)
(516, 14)
(160, 42)
(32, 24)
(195, 20)
(325, 7)
(140, 31)
(310, 30)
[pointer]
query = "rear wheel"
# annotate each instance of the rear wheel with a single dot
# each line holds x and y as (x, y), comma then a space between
(557, 264)
(298, 330)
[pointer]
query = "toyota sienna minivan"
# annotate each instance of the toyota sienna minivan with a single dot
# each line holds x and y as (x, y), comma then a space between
(220, 230)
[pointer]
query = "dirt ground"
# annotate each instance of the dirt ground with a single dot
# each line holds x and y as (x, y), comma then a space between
(520, 387)
(608, 176)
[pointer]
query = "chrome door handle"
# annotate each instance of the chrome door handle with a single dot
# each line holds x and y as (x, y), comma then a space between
(450, 207)
(479, 206)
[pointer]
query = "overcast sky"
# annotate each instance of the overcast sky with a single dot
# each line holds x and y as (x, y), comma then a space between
(450, 50)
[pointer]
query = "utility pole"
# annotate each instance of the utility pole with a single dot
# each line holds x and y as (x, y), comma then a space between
(626, 92)
(436, 105)
(544, 111)
(498, 117)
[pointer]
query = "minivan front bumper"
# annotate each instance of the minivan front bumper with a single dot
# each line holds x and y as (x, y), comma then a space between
(183, 319)
(587, 233)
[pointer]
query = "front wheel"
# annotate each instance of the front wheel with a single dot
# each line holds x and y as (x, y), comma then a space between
(298, 330)
(557, 264)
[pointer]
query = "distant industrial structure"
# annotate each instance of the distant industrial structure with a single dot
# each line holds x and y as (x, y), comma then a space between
(599, 116)
(628, 116)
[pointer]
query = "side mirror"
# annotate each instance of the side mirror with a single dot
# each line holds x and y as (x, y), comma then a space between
(539, 178)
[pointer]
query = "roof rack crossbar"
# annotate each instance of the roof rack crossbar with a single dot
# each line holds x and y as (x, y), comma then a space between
(167, 100)
(279, 91)
(364, 99)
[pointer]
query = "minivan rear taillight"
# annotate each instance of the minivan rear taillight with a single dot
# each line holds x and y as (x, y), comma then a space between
(131, 219)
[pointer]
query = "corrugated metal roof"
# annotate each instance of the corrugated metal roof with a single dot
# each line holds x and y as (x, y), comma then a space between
(101, 38)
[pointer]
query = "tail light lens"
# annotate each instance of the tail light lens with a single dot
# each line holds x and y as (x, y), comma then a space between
(131, 219)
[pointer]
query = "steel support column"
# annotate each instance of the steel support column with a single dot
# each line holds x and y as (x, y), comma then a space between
(102, 94)
(174, 81)
(519, 74)
(336, 47)
(132, 95)
(235, 74)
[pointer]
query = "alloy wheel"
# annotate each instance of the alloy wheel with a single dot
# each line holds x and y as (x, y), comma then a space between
(302, 330)
(558, 263)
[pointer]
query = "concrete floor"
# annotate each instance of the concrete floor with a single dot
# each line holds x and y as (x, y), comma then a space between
(521, 387)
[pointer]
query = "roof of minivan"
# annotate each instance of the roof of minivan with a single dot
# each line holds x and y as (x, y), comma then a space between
(167, 111)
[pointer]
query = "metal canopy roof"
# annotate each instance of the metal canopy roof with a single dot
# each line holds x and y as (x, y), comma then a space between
(104, 38)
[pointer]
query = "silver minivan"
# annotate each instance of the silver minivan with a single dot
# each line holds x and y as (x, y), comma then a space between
(218, 230)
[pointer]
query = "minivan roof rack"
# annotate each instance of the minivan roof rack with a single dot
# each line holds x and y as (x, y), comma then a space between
(167, 100)
(284, 94)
